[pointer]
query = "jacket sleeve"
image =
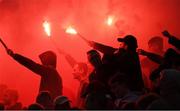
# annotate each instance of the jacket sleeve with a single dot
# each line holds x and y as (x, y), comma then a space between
(155, 58)
(71, 60)
(103, 48)
(28, 63)
(174, 41)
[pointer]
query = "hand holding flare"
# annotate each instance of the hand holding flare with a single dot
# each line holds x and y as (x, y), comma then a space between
(71, 30)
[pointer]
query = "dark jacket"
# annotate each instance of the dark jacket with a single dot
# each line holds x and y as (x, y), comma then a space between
(50, 78)
(124, 61)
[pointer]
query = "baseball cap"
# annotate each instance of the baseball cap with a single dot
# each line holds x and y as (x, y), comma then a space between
(130, 40)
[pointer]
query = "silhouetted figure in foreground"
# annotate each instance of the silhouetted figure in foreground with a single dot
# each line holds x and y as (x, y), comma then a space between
(119, 84)
(50, 79)
(153, 57)
(35, 106)
(62, 103)
(44, 98)
(124, 59)
(97, 97)
(2, 107)
(169, 91)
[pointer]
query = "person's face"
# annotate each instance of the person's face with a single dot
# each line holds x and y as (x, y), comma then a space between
(123, 45)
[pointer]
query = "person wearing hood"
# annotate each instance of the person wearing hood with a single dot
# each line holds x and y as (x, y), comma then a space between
(50, 79)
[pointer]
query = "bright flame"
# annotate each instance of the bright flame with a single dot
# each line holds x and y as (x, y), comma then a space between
(110, 20)
(47, 28)
(71, 30)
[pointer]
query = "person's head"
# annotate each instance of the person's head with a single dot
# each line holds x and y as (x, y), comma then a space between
(35, 106)
(94, 58)
(80, 70)
(44, 98)
(97, 101)
(129, 42)
(119, 84)
(155, 44)
(48, 58)
(62, 103)
(10, 97)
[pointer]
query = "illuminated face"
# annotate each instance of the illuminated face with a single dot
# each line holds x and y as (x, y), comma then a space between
(122, 45)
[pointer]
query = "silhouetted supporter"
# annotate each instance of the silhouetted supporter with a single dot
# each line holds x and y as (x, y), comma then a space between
(170, 87)
(171, 39)
(97, 97)
(152, 58)
(10, 100)
(98, 73)
(169, 91)
(119, 84)
(124, 59)
(80, 73)
(44, 98)
(171, 59)
(62, 103)
(2, 107)
(35, 106)
(50, 79)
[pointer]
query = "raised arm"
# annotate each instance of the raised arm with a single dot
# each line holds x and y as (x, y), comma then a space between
(153, 57)
(102, 48)
(171, 39)
(28, 63)
(72, 62)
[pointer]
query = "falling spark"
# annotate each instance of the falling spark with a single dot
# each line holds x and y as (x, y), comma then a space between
(71, 30)
(47, 28)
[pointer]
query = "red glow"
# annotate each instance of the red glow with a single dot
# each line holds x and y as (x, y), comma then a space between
(22, 28)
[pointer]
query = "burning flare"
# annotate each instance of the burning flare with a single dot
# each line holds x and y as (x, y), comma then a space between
(47, 28)
(110, 20)
(71, 30)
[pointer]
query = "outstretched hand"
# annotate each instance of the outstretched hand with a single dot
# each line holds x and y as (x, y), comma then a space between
(142, 52)
(166, 33)
(10, 52)
(91, 43)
